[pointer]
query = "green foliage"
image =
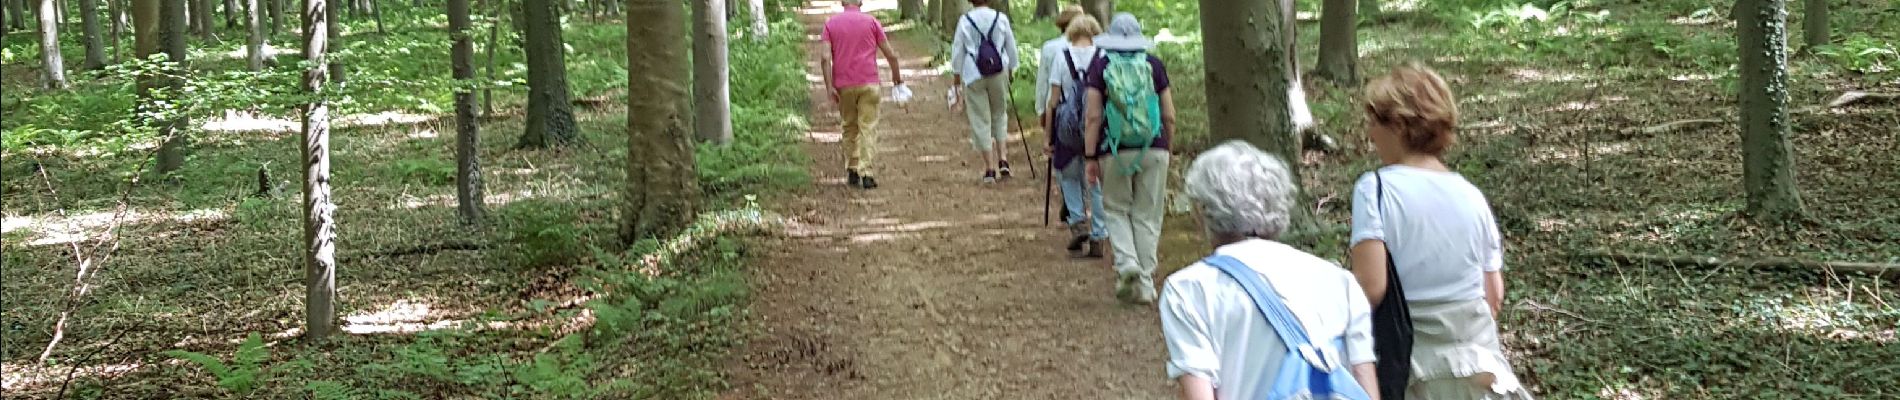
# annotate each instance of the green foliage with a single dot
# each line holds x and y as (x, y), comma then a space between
(768, 116)
(244, 372)
(544, 233)
(427, 171)
(1863, 54)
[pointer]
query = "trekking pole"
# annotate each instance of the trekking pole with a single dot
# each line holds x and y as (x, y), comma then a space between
(1048, 182)
(1011, 105)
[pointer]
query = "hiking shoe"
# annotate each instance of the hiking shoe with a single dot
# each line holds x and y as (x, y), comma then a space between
(851, 177)
(868, 183)
(1078, 233)
(1003, 167)
(1125, 287)
(1095, 249)
(989, 176)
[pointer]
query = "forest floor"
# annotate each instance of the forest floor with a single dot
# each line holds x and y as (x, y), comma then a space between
(935, 285)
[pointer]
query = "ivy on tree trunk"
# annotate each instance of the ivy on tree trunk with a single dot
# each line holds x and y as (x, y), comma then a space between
(1768, 176)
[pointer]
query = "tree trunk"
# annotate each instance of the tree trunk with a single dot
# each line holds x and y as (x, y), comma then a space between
(911, 9)
(231, 13)
(613, 8)
(550, 115)
(95, 42)
(319, 222)
(1249, 74)
(1768, 175)
(376, 11)
(276, 10)
(1339, 42)
(761, 27)
(494, 44)
(171, 39)
(207, 19)
(16, 14)
(333, 26)
(468, 167)
(1102, 10)
(144, 33)
(712, 121)
(116, 10)
(53, 73)
(1046, 9)
(254, 47)
(933, 12)
(952, 12)
(661, 185)
(1815, 23)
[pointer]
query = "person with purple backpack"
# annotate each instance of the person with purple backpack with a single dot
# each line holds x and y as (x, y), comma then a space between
(981, 57)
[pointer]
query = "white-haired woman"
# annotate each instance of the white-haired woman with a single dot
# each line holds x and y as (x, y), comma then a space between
(1220, 345)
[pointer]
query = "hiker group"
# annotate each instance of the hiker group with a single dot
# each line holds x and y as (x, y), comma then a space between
(1413, 316)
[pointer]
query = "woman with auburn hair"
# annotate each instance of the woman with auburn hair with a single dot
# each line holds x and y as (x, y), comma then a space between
(1426, 249)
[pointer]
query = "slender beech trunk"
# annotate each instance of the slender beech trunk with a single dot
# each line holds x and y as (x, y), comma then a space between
(1768, 175)
(254, 46)
(1339, 42)
(319, 212)
(661, 185)
(95, 41)
(53, 67)
(468, 167)
(712, 119)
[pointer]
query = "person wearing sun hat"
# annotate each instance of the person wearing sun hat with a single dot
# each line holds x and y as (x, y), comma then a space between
(1128, 133)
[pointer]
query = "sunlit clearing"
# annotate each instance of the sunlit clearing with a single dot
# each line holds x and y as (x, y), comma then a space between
(1551, 224)
(241, 121)
(1621, 393)
(269, 52)
(1532, 75)
(1822, 314)
(54, 230)
(1567, 152)
(1168, 36)
(1692, 77)
(22, 375)
(404, 316)
(825, 137)
(424, 133)
(1703, 16)
(383, 118)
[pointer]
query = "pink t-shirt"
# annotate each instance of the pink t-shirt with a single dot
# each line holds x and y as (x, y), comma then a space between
(854, 37)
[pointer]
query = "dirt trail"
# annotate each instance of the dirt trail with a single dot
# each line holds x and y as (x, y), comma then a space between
(934, 286)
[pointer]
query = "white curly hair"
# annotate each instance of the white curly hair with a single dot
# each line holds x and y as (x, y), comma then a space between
(1241, 191)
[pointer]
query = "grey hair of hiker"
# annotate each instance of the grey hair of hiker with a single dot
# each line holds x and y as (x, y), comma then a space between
(1241, 191)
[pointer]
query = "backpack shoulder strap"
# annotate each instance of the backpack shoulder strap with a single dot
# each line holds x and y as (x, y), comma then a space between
(993, 22)
(1266, 300)
(1074, 75)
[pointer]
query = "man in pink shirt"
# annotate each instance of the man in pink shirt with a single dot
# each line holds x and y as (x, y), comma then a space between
(852, 41)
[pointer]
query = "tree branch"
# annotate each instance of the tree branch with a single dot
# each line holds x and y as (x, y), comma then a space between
(1848, 98)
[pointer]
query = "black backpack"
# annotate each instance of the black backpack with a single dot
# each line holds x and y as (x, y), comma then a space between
(989, 61)
(1068, 115)
(1391, 324)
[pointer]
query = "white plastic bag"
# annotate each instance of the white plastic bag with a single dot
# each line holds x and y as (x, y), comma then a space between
(901, 94)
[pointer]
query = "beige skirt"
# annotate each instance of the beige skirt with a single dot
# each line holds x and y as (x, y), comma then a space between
(1456, 354)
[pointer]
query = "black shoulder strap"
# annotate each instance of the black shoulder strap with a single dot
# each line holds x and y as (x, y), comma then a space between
(993, 22)
(1391, 265)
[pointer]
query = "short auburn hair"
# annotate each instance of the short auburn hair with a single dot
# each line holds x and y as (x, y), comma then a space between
(1418, 104)
(1067, 16)
(1084, 26)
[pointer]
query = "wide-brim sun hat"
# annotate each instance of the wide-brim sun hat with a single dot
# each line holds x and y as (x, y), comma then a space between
(1124, 33)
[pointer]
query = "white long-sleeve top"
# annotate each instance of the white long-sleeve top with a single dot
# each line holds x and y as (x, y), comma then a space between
(963, 47)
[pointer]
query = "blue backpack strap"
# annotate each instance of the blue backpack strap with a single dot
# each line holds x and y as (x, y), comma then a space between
(1267, 300)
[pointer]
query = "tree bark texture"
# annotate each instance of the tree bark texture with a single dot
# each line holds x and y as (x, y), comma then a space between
(254, 46)
(53, 67)
(171, 36)
(1768, 174)
(1814, 24)
(1339, 42)
(232, 14)
(115, 9)
(333, 24)
(911, 9)
(145, 16)
(16, 14)
(712, 121)
(952, 12)
(275, 8)
(550, 115)
(376, 11)
(205, 15)
(95, 42)
(468, 167)
(932, 12)
(1047, 8)
(494, 44)
(1249, 72)
(319, 222)
(761, 26)
(661, 184)
(1102, 10)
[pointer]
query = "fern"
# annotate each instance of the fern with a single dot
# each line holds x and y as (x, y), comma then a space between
(241, 376)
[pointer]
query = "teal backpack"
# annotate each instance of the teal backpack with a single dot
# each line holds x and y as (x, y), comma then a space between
(1307, 372)
(1134, 109)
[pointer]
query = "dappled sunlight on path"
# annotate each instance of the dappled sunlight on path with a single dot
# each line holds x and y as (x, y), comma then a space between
(934, 285)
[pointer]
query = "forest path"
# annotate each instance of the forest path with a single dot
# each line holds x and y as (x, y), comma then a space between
(934, 285)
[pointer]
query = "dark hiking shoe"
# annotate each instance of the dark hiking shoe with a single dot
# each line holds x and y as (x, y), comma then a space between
(989, 176)
(1095, 249)
(1078, 234)
(1003, 167)
(851, 177)
(868, 183)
